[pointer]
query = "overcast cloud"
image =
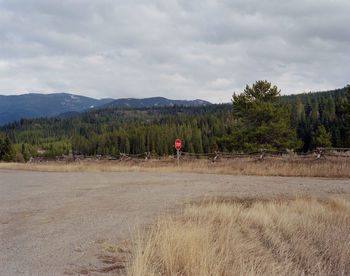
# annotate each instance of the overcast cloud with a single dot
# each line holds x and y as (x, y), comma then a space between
(177, 49)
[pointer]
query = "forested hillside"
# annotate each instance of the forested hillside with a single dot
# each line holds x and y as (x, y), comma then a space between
(110, 131)
(341, 92)
(35, 105)
(153, 102)
(63, 105)
(316, 119)
(322, 117)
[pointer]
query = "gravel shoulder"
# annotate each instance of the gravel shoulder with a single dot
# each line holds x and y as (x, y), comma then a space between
(68, 223)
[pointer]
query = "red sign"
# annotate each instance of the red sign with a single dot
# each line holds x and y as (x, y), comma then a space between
(177, 144)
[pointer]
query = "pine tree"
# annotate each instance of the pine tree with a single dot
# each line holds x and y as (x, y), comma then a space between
(315, 113)
(8, 151)
(321, 138)
(197, 140)
(1, 148)
(25, 153)
(346, 112)
(262, 121)
(308, 107)
(297, 112)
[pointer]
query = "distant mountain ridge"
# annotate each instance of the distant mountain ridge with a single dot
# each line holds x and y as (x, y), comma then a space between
(63, 105)
(35, 105)
(154, 102)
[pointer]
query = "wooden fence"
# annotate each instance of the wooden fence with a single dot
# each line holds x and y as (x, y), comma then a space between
(318, 154)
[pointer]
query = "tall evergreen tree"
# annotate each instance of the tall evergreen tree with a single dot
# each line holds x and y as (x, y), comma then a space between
(8, 152)
(346, 110)
(321, 138)
(297, 112)
(330, 107)
(262, 122)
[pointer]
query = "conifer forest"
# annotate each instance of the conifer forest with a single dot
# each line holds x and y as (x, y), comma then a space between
(258, 117)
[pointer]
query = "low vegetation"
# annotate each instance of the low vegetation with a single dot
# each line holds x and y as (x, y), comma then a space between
(303, 236)
(331, 167)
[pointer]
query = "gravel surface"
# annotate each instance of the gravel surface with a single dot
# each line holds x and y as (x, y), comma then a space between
(83, 223)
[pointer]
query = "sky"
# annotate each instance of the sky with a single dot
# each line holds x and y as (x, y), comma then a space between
(179, 49)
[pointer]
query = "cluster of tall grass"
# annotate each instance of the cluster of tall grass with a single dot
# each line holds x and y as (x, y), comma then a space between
(303, 236)
(330, 167)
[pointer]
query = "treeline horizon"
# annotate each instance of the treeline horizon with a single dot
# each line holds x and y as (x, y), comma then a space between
(301, 122)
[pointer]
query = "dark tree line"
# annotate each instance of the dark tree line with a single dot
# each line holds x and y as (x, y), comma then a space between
(258, 118)
(7, 150)
(322, 121)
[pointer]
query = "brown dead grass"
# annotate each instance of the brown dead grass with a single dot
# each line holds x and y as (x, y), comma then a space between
(303, 236)
(330, 167)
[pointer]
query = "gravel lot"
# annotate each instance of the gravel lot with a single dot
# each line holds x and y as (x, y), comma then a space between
(82, 223)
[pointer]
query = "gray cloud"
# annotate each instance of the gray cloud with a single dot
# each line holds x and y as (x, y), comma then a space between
(177, 49)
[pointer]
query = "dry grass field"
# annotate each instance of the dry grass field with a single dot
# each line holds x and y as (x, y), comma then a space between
(303, 236)
(85, 223)
(330, 167)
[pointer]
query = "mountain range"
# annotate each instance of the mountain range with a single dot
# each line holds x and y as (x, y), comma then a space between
(154, 102)
(64, 105)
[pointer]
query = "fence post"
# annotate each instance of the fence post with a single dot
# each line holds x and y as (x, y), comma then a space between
(319, 153)
(262, 154)
(215, 156)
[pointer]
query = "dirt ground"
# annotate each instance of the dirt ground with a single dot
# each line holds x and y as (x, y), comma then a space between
(84, 223)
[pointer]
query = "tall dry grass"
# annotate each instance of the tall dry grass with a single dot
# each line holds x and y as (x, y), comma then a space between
(303, 236)
(330, 167)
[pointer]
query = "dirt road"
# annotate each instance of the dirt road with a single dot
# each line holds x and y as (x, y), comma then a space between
(78, 223)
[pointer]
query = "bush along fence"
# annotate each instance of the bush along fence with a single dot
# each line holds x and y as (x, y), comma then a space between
(262, 154)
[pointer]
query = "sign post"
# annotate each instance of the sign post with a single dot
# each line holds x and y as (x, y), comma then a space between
(178, 147)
